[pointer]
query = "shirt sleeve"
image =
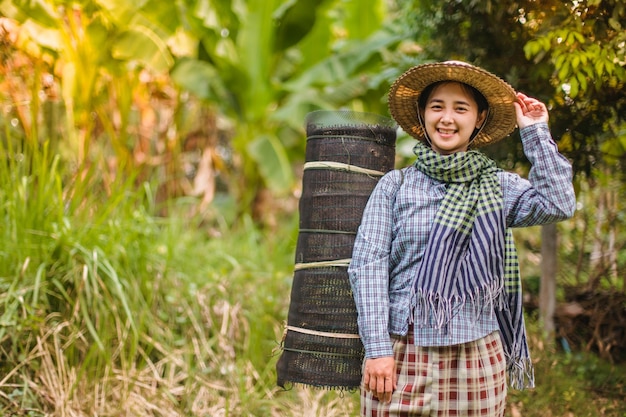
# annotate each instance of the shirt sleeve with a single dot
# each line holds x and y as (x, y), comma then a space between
(547, 196)
(369, 268)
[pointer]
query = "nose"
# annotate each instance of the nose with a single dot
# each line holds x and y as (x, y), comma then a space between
(446, 118)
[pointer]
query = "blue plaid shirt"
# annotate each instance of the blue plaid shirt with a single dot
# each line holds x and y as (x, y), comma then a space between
(394, 233)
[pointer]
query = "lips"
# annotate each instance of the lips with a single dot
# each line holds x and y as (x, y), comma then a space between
(446, 131)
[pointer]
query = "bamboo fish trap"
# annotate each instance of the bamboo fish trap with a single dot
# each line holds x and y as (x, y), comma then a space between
(346, 154)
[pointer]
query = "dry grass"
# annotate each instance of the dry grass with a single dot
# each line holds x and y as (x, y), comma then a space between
(202, 377)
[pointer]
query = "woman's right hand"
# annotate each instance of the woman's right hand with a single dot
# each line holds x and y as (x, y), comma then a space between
(529, 111)
(379, 377)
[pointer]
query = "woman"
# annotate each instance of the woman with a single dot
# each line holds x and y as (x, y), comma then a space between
(434, 270)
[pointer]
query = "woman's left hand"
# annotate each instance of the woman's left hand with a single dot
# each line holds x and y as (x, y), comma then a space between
(529, 111)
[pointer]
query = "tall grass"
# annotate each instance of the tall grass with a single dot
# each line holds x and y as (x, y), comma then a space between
(107, 309)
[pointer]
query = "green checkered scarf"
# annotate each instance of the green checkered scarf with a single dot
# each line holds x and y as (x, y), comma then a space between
(471, 256)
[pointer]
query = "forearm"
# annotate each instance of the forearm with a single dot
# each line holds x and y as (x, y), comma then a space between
(548, 194)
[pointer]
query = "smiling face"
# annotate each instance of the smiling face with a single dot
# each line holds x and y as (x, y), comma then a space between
(450, 116)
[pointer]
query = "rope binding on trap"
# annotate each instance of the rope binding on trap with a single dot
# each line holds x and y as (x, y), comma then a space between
(339, 166)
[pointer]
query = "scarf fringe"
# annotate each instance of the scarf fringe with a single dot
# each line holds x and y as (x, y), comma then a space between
(521, 373)
(520, 368)
(431, 309)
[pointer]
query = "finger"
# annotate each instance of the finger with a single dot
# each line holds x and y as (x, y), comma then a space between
(523, 99)
(385, 397)
(389, 388)
(519, 112)
(380, 388)
(522, 105)
(375, 382)
(533, 105)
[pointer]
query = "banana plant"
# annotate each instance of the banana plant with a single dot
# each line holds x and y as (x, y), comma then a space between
(266, 63)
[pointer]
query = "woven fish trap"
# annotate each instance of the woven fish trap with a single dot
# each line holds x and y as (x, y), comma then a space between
(321, 346)
(320, 302)
(359, 140)
(333, 199)
(323, 245)
(320, 361)
(346, 155)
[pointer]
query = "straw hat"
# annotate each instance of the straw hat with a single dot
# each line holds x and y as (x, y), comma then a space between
(405, 92)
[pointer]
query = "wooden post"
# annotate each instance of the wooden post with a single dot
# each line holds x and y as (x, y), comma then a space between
(547, 293)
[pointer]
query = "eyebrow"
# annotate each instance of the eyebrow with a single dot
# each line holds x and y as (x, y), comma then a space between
(435, 100)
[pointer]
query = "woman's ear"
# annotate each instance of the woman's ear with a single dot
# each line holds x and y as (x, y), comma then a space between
(481, 119)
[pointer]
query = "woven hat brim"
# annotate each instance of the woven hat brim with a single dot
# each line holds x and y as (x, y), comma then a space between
(405, 92)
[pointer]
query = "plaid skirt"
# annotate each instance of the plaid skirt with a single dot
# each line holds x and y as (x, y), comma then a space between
(461, 380)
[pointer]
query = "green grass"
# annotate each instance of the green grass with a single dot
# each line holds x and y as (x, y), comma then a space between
(575, 384)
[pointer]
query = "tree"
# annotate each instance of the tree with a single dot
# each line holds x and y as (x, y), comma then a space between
(587, 51)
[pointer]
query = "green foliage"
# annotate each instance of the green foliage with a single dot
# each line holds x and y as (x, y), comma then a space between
(87, 49)
(109, 309)
(588, 49)
(588, 54)
(48, 268)
(275, 61)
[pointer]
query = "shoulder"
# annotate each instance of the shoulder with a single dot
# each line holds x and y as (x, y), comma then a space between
(391, 181)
